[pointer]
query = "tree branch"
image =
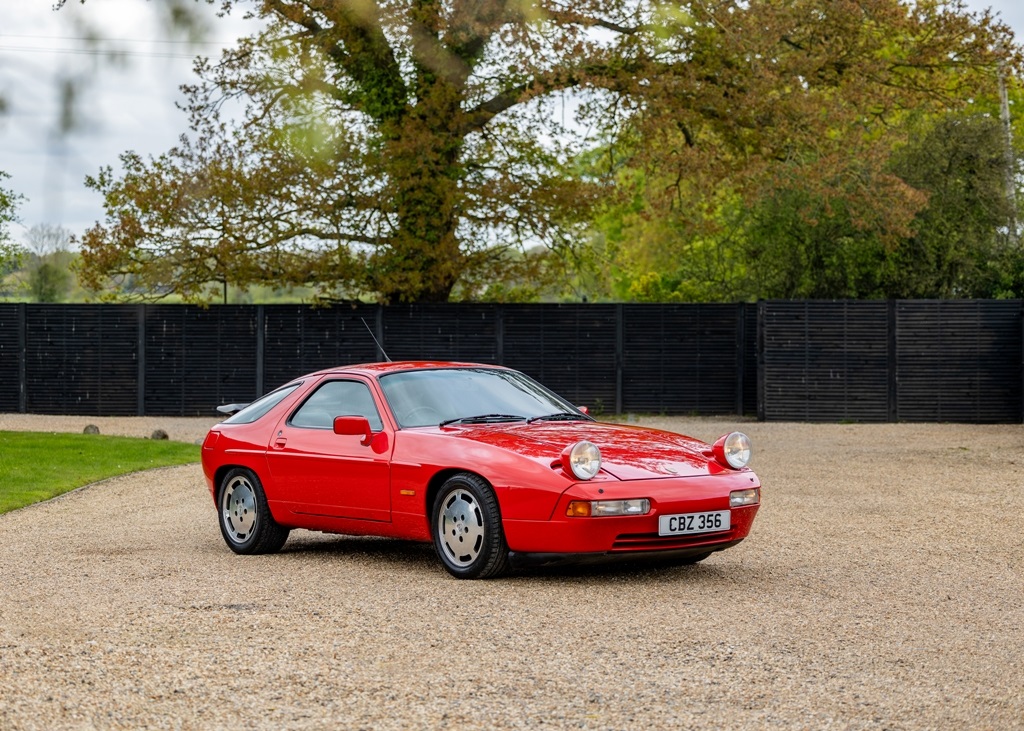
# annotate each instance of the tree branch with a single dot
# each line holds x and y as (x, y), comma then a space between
(355, 41)
(601, 75)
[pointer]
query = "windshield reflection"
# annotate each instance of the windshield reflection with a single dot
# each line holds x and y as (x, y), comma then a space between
(427, 398)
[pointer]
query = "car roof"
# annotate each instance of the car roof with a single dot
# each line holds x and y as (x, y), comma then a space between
(379, 369)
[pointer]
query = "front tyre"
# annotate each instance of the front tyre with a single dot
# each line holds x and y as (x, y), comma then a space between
(245, 520)
(466, 528)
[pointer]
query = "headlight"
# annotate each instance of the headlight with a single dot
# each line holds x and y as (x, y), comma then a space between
(733, 450)
(599, 508)
(583, 459)
(739, 498)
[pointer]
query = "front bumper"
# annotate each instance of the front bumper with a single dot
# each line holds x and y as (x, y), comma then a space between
(677, 555)
(634, 535)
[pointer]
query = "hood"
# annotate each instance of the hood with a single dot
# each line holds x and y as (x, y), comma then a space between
(627, 452)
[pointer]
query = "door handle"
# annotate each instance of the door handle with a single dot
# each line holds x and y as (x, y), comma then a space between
(280, 441)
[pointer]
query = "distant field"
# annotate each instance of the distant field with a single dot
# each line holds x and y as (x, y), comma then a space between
(37, 466)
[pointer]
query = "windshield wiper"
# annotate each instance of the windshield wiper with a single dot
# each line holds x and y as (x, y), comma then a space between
(483, 418)
(560, 416)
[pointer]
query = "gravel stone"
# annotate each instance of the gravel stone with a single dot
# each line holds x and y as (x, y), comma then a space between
(881, 588)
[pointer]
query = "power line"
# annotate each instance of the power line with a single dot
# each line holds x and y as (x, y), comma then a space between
(84, 39)
(97, 52)
(129, 53)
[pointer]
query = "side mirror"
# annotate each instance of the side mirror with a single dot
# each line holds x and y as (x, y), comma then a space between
(354, 426)
(584, 409)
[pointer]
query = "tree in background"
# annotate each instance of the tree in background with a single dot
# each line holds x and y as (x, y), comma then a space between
(47, 275)
(8, 210)
(409, 150)
(779, 181)
(393, 149)
(959, 246)
(11, 254)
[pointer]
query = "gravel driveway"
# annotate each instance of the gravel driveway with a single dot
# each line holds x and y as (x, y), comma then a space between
(881, 588)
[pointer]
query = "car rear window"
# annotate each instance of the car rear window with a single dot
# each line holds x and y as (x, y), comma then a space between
(262, 406)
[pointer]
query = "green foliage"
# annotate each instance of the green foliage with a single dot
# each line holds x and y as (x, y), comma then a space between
(12, 256)
(959, 246)
(36, 466)
(47, 275)
(776, 177)
(8, 214)
(416, 151)
(48, 281)
(393, 150)
(801, 240)
(805, 247)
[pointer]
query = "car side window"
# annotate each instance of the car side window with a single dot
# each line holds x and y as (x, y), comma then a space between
(337, 398)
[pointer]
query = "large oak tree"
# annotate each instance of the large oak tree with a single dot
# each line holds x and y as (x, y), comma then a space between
(401, 149)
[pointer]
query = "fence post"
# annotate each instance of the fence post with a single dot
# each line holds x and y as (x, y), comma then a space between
(261, 340)
(892, 362)
(379, 324)
(22, 359)
(140, 359)
(761, 388)
(741, 361)
(499, 333)
(140, 366)
(620, 356)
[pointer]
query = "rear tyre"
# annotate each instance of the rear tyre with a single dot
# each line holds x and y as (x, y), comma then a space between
(245, 520)
(466, 528)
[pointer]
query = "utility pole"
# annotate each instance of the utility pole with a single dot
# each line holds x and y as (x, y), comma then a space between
(1011, 158)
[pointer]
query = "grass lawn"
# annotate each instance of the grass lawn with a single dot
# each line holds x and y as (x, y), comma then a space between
(36, 466)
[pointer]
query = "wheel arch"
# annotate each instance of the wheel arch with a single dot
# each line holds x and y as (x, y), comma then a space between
(218, 477)
(441, 477)
(224, 469)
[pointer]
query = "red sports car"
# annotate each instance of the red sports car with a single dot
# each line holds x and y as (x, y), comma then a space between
(491, 467)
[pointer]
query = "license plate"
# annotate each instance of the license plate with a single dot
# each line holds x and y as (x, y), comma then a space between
(686, 523)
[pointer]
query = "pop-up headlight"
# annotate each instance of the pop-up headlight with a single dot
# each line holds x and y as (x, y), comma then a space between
(583, 459)
(732, 450)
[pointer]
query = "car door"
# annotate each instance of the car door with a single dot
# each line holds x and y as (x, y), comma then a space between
(331, 474)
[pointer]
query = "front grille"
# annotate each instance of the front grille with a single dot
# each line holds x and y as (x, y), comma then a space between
(654, 542)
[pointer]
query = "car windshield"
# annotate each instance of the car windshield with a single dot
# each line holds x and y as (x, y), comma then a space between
(429, 397)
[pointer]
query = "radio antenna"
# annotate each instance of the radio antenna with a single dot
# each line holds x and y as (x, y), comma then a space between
(379, 346)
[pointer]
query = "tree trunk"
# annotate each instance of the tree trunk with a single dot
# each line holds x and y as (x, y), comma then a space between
(423, 259)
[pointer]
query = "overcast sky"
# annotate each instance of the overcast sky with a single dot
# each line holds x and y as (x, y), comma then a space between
(127, 105)
(129, 108)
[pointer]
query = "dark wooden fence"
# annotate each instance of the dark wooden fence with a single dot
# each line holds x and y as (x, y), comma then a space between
(909, 360)
(817, 361)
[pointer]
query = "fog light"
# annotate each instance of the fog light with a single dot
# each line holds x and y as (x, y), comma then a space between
(739, 498)
(600, 508)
